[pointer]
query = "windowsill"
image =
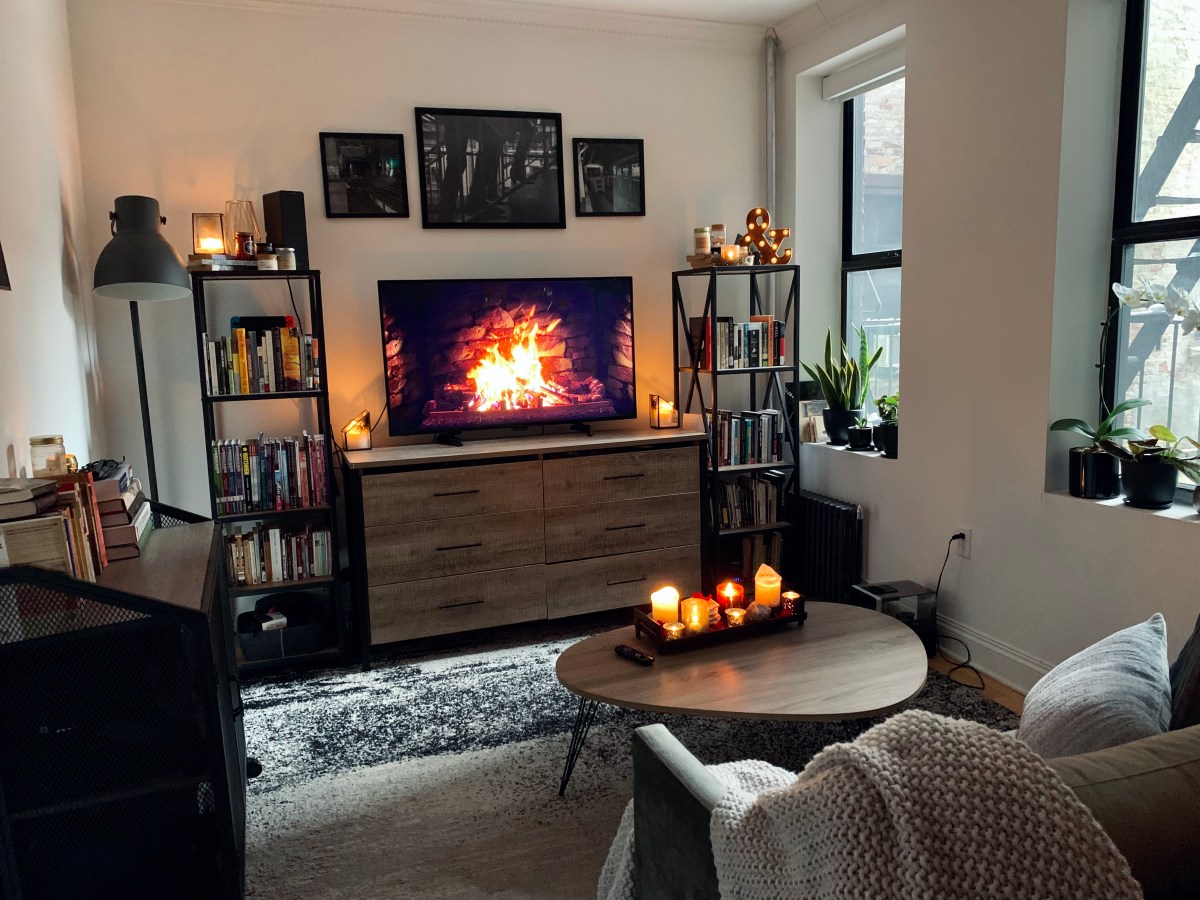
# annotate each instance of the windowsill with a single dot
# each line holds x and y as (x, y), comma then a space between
(1179, 511)
(825, 445)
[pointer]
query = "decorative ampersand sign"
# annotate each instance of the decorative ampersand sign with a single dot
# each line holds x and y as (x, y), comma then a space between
(768, 240)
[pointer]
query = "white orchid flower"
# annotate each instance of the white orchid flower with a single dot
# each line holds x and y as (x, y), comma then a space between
(1131, 297)
(1177, 303)
(1191, 320)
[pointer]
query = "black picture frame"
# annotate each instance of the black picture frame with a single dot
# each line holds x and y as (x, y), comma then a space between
(523, 152)
(364, 175)
(606, 192)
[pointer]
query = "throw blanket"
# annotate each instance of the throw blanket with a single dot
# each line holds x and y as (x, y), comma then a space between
(920, 806)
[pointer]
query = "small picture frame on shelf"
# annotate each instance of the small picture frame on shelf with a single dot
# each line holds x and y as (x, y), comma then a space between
(609, 176)
(364, 176)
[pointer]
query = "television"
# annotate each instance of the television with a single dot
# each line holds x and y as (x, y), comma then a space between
(462, 354)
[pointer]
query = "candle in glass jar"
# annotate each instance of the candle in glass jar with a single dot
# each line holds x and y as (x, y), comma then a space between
(695, 614)
(789, 602)
(735, 616)
(673, 630)
(729, 254)
(730, 593)
(664, 605)
(767, 585)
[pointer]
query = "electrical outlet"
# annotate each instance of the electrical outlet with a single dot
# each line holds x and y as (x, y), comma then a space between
(964, 546)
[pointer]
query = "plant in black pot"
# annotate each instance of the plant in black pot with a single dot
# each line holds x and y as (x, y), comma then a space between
(844, 385)
(860, 435)
(1092, 470)
(887, 432)
(1150, 468)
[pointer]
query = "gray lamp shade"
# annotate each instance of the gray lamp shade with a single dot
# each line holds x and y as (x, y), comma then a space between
(138, 263)
(5, 284)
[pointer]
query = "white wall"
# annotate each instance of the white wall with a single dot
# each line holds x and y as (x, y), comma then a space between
(45, 355)
(1007, 200)
(194, 104)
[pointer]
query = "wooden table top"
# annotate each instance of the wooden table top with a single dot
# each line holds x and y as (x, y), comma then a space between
(843, 663)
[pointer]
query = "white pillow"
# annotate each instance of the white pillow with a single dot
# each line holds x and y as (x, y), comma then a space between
(1117, 690)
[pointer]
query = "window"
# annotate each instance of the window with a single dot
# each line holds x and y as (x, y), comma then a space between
(872, 202)
(1156, 226)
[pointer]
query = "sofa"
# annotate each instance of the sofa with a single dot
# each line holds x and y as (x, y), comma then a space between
(1145, 794)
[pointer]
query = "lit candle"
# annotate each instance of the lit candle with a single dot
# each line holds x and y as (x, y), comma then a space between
(358, 437)
(695, 614)
(664, 604)
(729, 254)
(767, 585)
(730, 593)
(789, 602)
(212, 245)
(673, 630)
(735, 616)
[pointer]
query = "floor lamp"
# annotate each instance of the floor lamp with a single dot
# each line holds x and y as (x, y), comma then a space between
(138, 264)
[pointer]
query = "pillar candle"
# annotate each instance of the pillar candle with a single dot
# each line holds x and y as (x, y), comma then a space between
(767, 585)
(730, 593)
(664, 605)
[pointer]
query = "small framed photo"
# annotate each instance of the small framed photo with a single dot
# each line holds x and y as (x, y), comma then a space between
(364, 175)
(490, 169)
(609, 179)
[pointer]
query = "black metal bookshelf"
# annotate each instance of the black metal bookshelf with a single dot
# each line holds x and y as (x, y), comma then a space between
(767, 388)
(331, 629)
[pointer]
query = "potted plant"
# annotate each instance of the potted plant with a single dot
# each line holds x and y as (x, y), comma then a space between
(1092, 470)
(860, 434)
(887, 432)
(1150, 468)
(844, 385)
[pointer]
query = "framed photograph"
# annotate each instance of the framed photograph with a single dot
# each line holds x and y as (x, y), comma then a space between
(490, 169)
(364, 175)
(609, 179)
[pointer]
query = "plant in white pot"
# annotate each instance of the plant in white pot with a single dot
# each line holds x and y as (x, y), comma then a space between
(844, 385)
(1150, 468)
(1092, 470)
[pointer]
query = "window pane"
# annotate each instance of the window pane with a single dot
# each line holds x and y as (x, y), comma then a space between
(1158, 361)
(1168, 166)
(873, 304)
(878, 173)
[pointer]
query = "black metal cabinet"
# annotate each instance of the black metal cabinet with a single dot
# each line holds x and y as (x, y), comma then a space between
(122, 772)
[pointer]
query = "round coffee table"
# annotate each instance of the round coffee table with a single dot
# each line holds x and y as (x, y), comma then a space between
(844, 662)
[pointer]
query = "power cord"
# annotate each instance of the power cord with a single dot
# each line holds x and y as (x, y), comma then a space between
(966, 663)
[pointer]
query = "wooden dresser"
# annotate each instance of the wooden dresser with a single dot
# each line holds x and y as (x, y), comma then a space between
(447, 539)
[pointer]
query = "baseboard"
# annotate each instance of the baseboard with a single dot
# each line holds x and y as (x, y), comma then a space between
(994, 658)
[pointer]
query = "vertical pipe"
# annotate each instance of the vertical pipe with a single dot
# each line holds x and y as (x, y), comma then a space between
(770, 52)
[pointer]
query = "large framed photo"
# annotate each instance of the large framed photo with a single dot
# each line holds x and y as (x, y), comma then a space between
(490, 169)
(364, 175)
(609, 179)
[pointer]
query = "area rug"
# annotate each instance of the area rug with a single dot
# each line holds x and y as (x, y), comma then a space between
(435, 774)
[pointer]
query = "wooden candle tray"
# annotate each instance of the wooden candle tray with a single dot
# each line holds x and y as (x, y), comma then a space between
(644, 625)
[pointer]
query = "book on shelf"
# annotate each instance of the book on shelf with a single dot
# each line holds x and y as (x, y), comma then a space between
(760, 549)
(736, 345)
(272, 554)
(40, 541)
(747, 438)
(261, 355)
(24, 490)
(131, 534)
(752, 500)
(269, 474)
(24, 509)
(113, 486)
(85, 483)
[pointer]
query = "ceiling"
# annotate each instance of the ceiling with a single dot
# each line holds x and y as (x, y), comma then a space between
(755, 12)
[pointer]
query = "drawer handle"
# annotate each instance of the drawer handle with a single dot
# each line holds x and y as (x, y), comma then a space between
(627, 581)
(464, 603)
(462, 547)
(620, 477)
(455, 493)
(624, 527)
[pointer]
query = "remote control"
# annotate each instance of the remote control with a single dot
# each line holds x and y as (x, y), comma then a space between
(634, 654)
(880, 589)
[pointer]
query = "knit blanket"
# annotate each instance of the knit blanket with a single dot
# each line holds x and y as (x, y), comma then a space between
(920, 806)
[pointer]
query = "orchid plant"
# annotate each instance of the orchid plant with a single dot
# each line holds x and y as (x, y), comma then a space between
(1173, 301)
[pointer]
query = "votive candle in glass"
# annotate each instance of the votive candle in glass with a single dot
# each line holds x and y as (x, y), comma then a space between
(789, 602)
(694, 612)
(673, 631)
(664, 604)
(735, 616)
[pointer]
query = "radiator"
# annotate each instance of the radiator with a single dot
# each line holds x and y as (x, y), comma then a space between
(829, 547)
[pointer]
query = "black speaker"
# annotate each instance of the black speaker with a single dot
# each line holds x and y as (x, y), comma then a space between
(283, 220)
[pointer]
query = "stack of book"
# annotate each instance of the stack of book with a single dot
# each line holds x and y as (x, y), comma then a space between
(752, 500)
(219, 262)
(268, 474)
(737, 345)
(124, 516)
(748, 437)
(267, 554)
(261, 355)
(23, 498)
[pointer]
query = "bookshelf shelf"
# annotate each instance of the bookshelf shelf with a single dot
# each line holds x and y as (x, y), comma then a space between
(212, 300)
(748, 327)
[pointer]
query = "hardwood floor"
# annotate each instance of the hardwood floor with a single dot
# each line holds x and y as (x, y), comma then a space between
(992, 689)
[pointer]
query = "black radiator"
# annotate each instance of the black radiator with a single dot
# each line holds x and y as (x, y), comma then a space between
(827, 560)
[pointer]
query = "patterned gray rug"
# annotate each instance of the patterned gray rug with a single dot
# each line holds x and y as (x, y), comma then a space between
(436, 774)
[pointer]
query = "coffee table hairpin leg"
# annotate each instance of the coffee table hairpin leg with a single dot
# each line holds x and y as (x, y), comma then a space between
(583, 722)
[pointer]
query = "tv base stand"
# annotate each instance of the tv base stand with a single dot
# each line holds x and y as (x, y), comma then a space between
(448, 439)
(582, 428)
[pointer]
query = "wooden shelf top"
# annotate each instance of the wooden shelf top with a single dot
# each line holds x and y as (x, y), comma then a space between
(171, 569)
(430, 453)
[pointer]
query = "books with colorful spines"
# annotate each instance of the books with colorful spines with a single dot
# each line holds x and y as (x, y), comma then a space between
(87, 487)
(291, 359)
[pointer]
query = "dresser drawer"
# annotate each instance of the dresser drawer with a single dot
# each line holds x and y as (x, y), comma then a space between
(416, 609)
(589, 585)
(583, 532)
(422, 494)
(607, 477)
(418, 550)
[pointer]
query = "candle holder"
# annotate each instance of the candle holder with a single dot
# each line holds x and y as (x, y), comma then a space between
(790, 600)
(208, 233)
(663, 413)
(735, 616)
(694, 612)
(673, 631)
(356, 434)
(730, 594)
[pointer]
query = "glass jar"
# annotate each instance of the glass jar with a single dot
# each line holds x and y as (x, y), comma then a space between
(241, 225)
(287, 258)
(702, 241)
(47, 455)
(717, 236)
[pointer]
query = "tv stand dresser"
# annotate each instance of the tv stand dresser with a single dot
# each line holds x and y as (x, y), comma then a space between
(446, 539)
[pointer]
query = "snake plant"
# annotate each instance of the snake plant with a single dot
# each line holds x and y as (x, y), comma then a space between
(845, 383)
